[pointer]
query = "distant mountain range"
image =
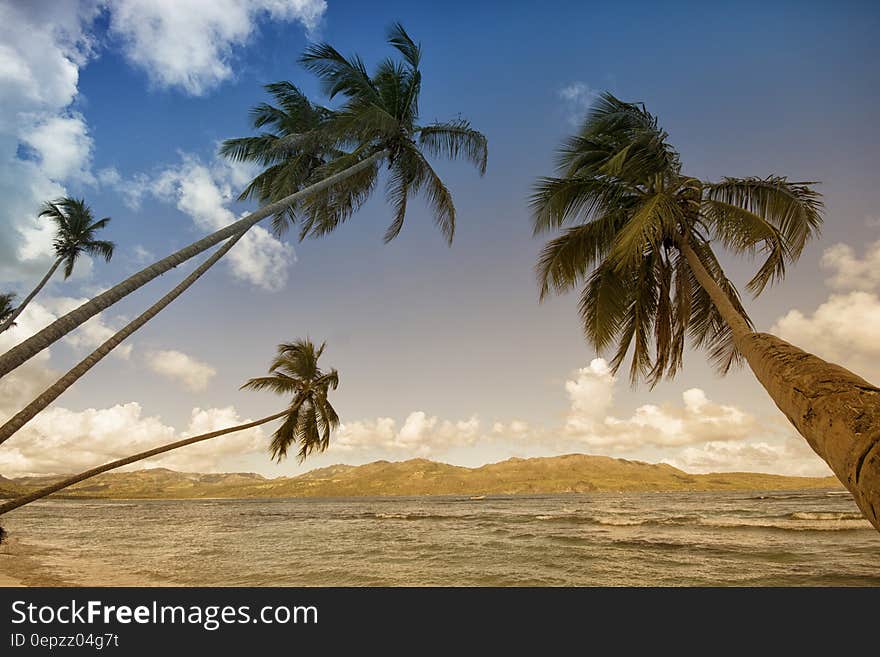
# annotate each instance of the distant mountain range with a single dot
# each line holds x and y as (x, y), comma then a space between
(573, 473)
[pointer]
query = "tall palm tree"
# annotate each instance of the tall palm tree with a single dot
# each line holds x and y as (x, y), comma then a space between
(637, 235)
(376, 123)
(7, 307)
(75, 230)
(308, 420)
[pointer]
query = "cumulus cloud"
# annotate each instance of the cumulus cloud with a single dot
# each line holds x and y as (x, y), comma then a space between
(697, 420)
(793, 457)
(577, 98)
(697, 435)
(848, 271)
(203, 191)
(845, 328)
(589, 425)
(43, 141)
(62, 146)
(190, 45)
(421, 434)
(60, 441)
(178, 366)
(22, 385)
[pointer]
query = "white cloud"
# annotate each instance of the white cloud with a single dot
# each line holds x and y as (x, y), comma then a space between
(190, 45)
(849, 272)
(42, 47)
(210, 455)
(697, 420)
(589, 425)
(421, 434)
(203, 192)
(63, 146)
(132, 190)
(22, 385)
(142, 255)
(60, 440)
(845, 329)
(793, 457)
(577, 98)
(178, 366)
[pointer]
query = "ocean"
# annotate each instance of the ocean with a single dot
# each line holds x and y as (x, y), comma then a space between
(744, 538)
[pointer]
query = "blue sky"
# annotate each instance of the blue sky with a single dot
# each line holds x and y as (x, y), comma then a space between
(444, 352)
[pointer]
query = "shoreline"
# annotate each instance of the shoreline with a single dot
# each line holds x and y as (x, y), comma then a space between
(28, 570)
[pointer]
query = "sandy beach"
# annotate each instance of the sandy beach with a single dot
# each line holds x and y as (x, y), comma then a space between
(17, 569)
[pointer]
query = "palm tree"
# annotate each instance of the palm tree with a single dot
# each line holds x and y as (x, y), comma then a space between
(7, 307)
(308, 420)
(376, 123)
(637, 235)
(75, 229)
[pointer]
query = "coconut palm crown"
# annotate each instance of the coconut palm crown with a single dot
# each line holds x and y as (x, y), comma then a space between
(376, 112)
(626, 211)
(7, 307)
(309, 419)
(75, 231)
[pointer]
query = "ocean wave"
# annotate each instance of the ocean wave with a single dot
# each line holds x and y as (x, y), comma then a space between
(791, 523)
(410, 516)
(825, 515)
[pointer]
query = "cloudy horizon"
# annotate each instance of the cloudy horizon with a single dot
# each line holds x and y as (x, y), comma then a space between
(443, 352)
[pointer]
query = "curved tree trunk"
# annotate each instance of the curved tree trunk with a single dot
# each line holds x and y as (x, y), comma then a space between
(836, 411)
(51, 393)
(75, 479)
(65, 324)
(15, 313)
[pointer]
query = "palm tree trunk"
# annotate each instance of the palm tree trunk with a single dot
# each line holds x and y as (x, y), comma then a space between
(15, 313)
(64, 325)
(49, 395)
(70, 481)
(836, 411)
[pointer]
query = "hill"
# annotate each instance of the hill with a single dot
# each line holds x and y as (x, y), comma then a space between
(8, 488)
(572, 473)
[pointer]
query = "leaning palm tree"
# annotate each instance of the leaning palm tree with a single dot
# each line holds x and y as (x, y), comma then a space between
(637, 235)
(75, 229)
(308, 420)
(376, 123)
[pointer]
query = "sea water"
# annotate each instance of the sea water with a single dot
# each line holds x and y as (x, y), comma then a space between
(743, 538)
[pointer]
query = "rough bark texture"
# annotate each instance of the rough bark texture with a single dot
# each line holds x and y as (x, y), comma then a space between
(15, 313)
(65, 324)
(75, 479)
(51, 393)
(837, 412)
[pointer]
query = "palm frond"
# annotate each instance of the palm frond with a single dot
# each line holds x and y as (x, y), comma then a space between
(792, 207)
(557, 201)
(453, 139)
(411, 51)
(603, 306)
(99, 248)
(567, 259)
(653, 220)
(339, 74)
